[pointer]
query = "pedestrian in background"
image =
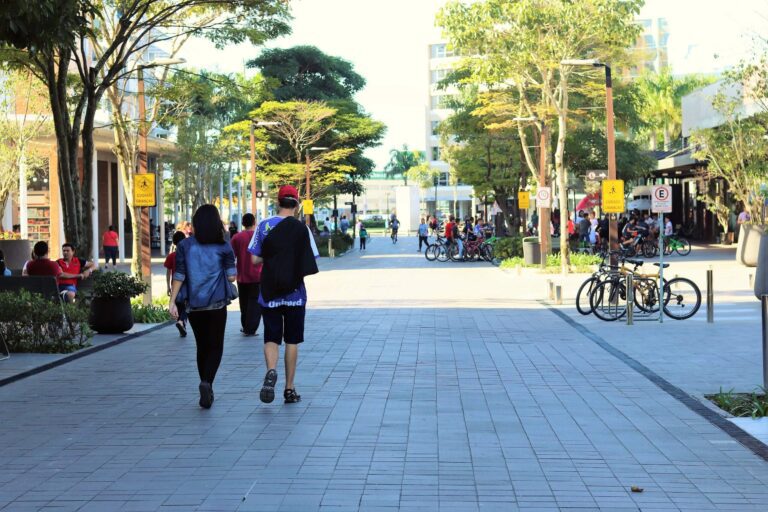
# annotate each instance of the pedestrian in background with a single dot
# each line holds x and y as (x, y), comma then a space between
(287, 249)
(170, 266)
(110, 241)
(363, 237)
(205, 267)
(248, 278)
(423, 234)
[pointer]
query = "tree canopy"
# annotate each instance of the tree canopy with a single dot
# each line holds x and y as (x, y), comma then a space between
(306, 73)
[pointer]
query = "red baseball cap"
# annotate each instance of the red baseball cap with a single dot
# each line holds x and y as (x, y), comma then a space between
(288, 191)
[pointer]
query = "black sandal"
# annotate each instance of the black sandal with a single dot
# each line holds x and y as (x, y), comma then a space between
(291, 397)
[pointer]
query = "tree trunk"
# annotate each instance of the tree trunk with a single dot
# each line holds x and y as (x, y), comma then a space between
(667, 137)
(136, 240)
(562, 175)
(501, 200)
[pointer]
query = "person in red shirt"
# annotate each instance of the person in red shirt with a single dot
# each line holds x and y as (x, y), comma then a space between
(110, 242)
(170, 265)
(40, 265)
(248, 278)
(73, 269)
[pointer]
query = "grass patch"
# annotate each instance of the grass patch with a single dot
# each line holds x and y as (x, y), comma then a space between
(580, 263)
(742, 405)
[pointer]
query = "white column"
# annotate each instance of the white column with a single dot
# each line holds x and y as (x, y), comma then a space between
(95, 202)
(121, 216)
(229, 179)
(23, 212)
(8, 213)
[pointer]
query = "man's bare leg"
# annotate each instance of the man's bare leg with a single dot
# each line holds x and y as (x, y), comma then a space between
(291, 356)
(271, 354)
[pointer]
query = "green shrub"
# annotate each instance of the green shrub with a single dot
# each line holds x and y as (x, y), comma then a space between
(374, 224)
(743, 405)
(151, 314)
(508, 247)
(340, 243)
(117, 285)
(583, 260)
(30, 322)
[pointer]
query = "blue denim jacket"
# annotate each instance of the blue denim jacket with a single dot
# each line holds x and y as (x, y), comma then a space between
(204, 269)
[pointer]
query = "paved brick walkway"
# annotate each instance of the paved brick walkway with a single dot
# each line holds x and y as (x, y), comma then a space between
(426, 387)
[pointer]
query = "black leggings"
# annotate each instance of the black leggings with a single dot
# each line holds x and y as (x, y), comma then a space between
(425, 240)
(208, 327)
(362, 243)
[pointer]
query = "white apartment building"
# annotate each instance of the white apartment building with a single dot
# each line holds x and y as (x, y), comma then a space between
(447, 197)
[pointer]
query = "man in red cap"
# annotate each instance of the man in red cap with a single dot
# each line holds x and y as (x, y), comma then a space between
(286, 249)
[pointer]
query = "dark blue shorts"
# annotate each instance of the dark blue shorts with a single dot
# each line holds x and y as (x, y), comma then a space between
(283, 323)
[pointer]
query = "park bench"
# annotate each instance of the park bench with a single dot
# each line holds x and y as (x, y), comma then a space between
(43, 285)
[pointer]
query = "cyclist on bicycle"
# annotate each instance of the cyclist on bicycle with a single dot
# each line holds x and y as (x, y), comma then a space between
(669, 230)
(630, 233)
(395, 225)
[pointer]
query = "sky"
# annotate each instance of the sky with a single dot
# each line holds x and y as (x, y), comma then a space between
(387, 41)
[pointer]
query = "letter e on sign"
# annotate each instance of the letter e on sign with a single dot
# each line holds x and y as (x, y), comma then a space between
(661, 199)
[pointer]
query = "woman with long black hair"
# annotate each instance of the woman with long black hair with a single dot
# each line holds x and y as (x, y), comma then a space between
(205, 267)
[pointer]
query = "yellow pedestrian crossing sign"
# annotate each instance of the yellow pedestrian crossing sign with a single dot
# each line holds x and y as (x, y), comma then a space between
(613, 196)
(309, 206)
(144, 190)
(523, 199)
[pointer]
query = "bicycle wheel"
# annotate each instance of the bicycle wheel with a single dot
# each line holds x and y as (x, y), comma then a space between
(582, 296)
(609, 300)
(649, 249)
(646, 296)
(431, 252)
(684, 247)
(682, 298)
(487, 252)
(453, 252)
(442, 253)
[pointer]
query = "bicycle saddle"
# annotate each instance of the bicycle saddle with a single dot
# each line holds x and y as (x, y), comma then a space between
(637, 263)
(658, 264)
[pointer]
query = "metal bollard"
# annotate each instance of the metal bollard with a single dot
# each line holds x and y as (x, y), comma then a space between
(558, 294)
(630, 300)
(331, 253)
(551, 289)
(764, 304)
(710, 298)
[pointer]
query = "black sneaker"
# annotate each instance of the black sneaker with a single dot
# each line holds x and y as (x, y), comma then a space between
(291, 397)
(267, 394)
(182, 329)
(246, 334)
(206, 395)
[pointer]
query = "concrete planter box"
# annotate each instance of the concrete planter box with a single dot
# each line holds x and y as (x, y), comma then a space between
(16, 252)
(748, 248)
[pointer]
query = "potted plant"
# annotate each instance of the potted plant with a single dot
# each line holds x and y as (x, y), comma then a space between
(111, 304)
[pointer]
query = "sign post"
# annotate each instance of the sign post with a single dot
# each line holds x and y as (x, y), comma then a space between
(661, 202)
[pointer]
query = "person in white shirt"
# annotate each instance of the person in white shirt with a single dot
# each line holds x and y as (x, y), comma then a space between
(668, 229)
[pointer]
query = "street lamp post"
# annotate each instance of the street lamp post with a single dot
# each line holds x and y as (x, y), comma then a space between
(146, 240)
(613, 227)
(254, 124)
(307, 193)
(544, 213)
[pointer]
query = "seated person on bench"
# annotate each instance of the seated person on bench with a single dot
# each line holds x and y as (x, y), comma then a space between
(40, 264)
(72, 269)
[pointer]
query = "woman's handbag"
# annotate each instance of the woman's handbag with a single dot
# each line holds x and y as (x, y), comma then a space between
(232, 292)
